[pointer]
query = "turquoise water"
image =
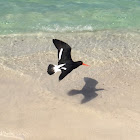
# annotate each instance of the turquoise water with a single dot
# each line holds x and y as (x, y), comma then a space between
(31, 16)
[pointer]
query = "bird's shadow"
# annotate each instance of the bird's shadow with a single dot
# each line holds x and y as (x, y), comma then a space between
(88, 91)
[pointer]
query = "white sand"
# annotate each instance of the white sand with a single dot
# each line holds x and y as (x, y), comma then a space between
(27, 112)
(100, 102)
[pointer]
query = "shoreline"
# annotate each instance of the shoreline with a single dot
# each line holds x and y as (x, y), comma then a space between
(123, 31)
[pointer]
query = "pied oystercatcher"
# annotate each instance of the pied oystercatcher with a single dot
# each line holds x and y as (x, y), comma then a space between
(65, 62)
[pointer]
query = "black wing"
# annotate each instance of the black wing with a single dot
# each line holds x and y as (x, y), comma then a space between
(66, 53)
(64, 73)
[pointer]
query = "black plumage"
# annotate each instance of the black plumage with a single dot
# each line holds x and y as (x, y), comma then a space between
(65, 62)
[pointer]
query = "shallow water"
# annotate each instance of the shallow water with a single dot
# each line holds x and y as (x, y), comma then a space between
(101, 45)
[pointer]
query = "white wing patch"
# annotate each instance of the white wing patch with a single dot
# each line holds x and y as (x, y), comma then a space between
(58, 68)
(60, 53)
(63, 68)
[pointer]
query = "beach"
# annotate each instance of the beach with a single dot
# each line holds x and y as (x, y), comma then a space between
(98, 102)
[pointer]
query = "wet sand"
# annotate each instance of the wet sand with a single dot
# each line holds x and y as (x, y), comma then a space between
(101, 102)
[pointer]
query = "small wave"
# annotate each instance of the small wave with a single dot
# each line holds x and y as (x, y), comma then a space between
(58, 28)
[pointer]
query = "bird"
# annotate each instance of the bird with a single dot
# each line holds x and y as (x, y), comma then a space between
(65, 62)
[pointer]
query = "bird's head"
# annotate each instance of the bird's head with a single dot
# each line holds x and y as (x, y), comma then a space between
(81, 63)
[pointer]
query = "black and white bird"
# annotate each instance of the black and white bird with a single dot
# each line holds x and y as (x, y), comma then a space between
(65, 62)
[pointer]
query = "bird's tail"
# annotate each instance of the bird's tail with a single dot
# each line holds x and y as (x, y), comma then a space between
(51, 69)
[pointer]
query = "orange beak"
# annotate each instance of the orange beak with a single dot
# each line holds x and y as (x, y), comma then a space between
(85, 64)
